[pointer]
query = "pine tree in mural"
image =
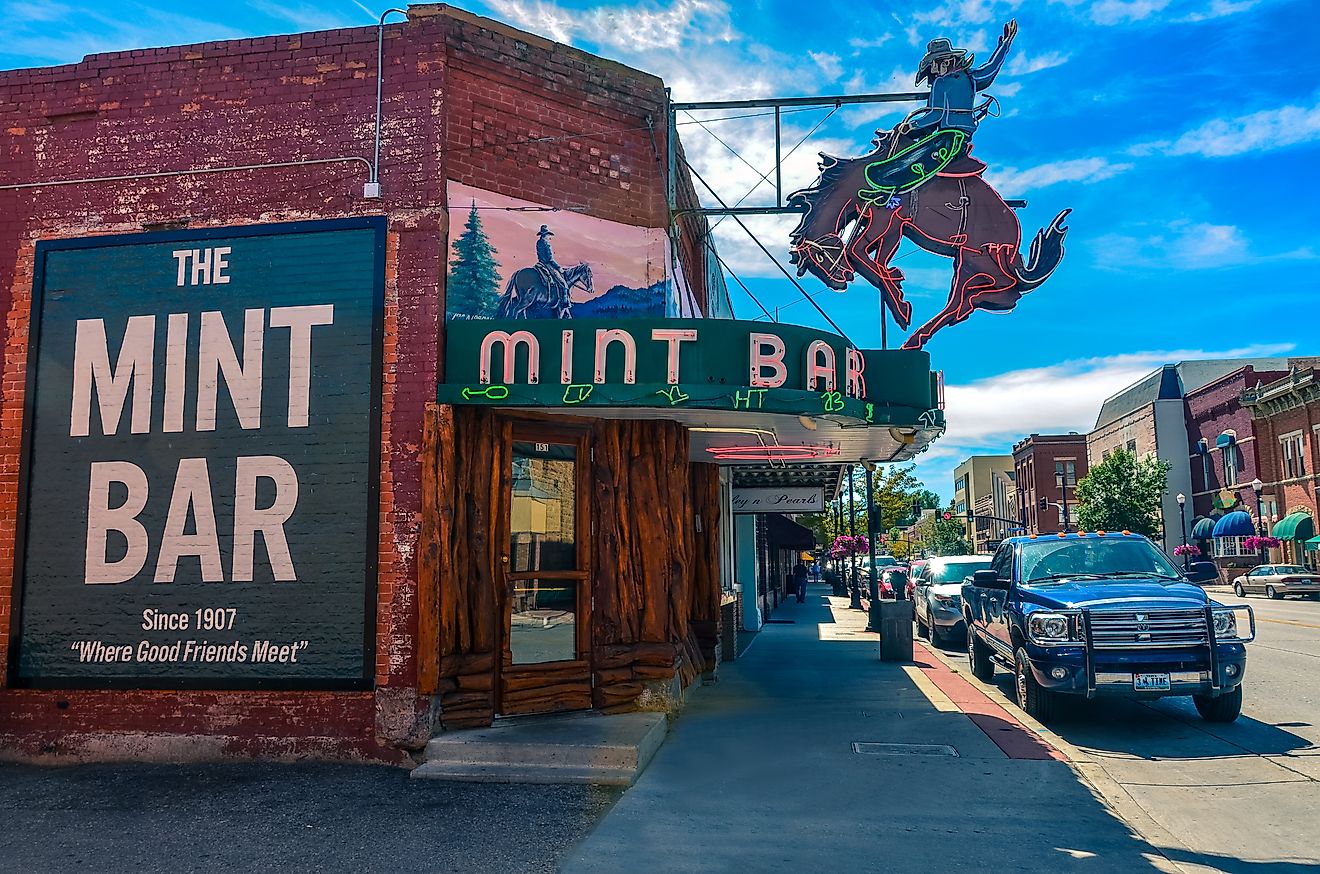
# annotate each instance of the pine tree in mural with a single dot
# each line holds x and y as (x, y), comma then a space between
(474, 281)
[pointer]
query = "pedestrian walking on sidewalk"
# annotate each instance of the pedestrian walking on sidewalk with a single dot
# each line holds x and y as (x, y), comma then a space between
(800, 581)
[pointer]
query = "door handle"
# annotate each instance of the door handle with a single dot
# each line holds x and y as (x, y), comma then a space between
(504, 559)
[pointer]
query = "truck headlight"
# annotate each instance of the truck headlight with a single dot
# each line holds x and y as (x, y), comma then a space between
(1048, 628)
(1225, 624)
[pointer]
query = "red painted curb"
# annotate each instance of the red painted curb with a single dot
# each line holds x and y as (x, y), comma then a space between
(1002, 727)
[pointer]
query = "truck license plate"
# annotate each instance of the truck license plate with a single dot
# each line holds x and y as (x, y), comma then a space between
(1150, 682)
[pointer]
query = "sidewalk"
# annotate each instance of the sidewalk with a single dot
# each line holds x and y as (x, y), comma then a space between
(759, 773)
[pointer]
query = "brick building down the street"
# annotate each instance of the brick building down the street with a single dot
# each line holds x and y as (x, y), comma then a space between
(1285, 415)
(1047, 466)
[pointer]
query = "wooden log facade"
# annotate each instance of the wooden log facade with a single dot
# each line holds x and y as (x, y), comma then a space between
(651, 522)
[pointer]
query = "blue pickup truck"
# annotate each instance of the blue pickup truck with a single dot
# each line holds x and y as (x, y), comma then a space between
(1100, 614)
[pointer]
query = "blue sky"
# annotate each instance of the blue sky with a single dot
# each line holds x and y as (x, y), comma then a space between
(1180, 132)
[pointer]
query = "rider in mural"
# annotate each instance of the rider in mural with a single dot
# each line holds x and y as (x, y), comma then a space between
(545, 262)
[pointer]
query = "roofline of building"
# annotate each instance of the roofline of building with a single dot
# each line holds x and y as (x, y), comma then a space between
(241, 45)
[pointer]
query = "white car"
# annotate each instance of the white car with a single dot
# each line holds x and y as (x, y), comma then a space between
(1278, 580)
(937, 595)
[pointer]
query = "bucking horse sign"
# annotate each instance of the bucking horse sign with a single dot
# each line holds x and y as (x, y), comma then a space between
(921, 182)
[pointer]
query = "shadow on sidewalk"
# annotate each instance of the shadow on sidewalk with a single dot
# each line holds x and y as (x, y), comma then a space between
(760, 774)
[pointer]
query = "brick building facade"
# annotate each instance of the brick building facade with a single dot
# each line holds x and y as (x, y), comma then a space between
(1223, 451)
(1285, 416)
(1038, 462)
(465, 99)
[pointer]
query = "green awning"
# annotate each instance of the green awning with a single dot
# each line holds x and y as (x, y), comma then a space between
(1313, 543)
(1295, 526)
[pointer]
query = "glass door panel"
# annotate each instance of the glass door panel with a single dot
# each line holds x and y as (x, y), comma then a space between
(543, 508)
(543, 621)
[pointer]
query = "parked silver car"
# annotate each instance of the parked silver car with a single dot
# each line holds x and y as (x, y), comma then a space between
(937, 596)
(1278, 580)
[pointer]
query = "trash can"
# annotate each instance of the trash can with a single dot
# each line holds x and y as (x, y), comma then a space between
(895, 631)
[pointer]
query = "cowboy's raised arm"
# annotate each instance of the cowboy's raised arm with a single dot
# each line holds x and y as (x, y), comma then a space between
(985, 74)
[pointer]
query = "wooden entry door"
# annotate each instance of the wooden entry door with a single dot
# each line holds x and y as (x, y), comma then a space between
(546, 592)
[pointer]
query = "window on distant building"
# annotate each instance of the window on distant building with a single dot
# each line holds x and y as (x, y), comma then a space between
(1131, 446)
(1230, 547)
(1294, 456)
(1231, 465)
(1104, 455)
(1206, 483)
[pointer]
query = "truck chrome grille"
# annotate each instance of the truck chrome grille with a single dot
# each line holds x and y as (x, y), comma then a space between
(1135, 629)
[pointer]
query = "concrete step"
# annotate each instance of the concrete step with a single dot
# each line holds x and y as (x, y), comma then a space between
(571, 748)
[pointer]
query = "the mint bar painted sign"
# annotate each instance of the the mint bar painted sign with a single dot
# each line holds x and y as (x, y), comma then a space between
(202, 429)
(712, 364)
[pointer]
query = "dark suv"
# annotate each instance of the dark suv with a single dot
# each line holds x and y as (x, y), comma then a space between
(1103, 614)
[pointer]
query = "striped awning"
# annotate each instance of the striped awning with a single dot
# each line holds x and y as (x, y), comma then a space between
(1203, 528)
(1295, 526)
(1235, 524)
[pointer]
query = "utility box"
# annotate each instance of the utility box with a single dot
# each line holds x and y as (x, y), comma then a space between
(896, 631)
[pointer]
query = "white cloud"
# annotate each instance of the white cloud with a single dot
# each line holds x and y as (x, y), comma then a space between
(1185, 245)
(1117, 12)
(830, 64)
(1023, 64)
(859, 45)
(1263, 130)
(642, 27)
(1012, 182)
(1121, 11)
(987, 416)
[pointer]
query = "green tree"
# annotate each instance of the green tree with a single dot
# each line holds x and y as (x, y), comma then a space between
(474, 280)
(944, 537)
(895, 491)
(1123, 493)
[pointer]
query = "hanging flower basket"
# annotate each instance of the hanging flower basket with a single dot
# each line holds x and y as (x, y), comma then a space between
(845, 546)
(1189, 549)
(1259, 542)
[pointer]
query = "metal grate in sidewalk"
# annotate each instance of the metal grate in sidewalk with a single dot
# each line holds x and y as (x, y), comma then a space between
(868, 748)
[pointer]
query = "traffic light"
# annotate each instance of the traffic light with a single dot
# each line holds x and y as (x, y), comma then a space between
(947, 515)
(1044, 503)
(971, 520)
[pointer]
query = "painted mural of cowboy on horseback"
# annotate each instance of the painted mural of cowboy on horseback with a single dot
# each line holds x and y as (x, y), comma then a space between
(543, 290)
(921, 182)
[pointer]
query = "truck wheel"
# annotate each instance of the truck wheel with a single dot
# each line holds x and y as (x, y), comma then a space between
(1239, 591)
(1271, 593)
(1040, 704)
(1225, 708)
(978, 655)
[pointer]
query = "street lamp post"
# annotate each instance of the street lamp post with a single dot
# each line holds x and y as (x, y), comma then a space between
(873, 623)
(1063, 498)
(1182, 520)
(1256, 486)
(855, 598)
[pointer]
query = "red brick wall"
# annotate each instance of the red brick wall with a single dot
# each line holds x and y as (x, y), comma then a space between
(1211, 411)
(1033, 464)
(462, 98)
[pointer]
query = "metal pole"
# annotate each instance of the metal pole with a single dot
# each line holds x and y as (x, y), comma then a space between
(779, 163)
(1182, 521)
(1063, 498)
(855, 599)
(1260, 528)
(380, 81)
(870, 534)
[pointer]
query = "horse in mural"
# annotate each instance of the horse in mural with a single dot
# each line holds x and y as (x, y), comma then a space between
(530, 294)
(855, 217)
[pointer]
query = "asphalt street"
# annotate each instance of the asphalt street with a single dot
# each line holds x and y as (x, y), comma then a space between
(142, 819)
(1243, 797)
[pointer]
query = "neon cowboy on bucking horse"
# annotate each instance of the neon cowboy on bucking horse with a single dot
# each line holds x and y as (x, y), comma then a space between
(921, 182)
